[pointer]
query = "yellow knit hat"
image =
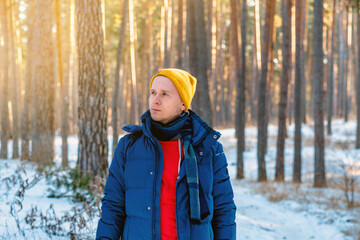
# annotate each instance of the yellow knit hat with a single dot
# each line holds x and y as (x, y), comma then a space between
(184, 82)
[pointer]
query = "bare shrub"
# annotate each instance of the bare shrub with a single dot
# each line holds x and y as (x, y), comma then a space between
(84, 192)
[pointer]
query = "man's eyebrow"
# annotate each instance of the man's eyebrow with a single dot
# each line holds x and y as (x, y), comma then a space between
(160, 90)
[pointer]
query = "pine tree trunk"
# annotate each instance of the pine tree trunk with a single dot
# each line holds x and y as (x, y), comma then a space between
(15, 85)
(44, 84)
(209, 39)
(256, 62)
(319, 175)
(119, 55)
(135, 98)
(286, 76)
(173, 35)
(202, 55)
(180, 26)
(306, 57)
(299, 69)
(150, 40)
(25, 121)
(66, 49)
(330, 85)
(340, 78)
(262, 107)
(358, 79)
(345, 104)
(192, 50)
(93, 145)
(63, 88)
(243, 76)
(239, 102)
(166, 50)
(5, 121)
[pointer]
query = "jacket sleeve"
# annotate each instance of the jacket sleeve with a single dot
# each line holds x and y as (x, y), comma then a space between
(223, 222)
(113, 215)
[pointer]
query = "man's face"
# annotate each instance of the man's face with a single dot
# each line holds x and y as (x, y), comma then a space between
(164, 102)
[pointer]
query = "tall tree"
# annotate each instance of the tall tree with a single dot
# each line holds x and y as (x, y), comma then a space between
(318, 79)
(358, 78)
(243, 76)
(43, 130)
(64, 88)
(198, 58)
(341, 59)
(135, 102)
(285, 78)
(299, 70)
(330, 85)
(5, 121)
(166, 39)
(179, 61)
(239, 118)
(345, 104)
(117, 72)
(15, 82)
(93, 146)
(262, 108)
(256, 61)
(25, 120)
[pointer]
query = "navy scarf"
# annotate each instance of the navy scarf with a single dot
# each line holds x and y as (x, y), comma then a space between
(181, 127)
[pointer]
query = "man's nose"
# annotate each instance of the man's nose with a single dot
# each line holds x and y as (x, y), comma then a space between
(156, 99)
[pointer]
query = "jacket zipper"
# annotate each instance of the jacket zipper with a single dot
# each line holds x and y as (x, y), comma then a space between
(154, 186)
(176, 184)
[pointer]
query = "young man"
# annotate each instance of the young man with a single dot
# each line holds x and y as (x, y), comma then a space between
(168, 178)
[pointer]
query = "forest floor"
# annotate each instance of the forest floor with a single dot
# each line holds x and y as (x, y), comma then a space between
(267, 211)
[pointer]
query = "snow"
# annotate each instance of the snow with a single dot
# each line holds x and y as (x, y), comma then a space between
(268, 211)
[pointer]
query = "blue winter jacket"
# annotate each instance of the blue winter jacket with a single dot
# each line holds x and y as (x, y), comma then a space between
(131, 205)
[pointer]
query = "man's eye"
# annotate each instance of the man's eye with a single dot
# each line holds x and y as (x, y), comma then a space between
(152, 93)
(164, 94)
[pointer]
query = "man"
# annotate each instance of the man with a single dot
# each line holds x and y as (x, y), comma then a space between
(168, 178)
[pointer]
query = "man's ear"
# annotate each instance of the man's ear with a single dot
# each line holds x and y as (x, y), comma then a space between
(183, 108)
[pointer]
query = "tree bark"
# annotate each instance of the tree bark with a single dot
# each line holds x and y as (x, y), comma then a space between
(43, 129)
(345, 104)
(262, 108)
(180, 26)
(198, 59)
(135, 102)
(239, 116)
(166, 24)
(319, 175)
(330, 85)
(25, 121)
(256, 62)
(192, 49)
(358, 79)
(243, 76)
(119, 55)
(15, 85)
(299, 69)
(340, 78)
(5, 121)
(286, 76)
(64, 91)
(93, 145)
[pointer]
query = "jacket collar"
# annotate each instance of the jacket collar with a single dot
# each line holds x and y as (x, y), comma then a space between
(203, 137)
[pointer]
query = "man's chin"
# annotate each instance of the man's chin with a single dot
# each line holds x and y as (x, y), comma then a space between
(155, 116)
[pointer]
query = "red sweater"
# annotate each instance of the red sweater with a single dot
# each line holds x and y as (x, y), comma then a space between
(168, 184)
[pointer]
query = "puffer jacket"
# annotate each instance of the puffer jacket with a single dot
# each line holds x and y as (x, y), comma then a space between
(131, 205)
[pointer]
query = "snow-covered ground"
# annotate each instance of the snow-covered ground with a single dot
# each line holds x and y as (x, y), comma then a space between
(264, 210)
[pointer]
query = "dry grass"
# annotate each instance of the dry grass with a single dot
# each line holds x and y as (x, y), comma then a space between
(330, 198)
